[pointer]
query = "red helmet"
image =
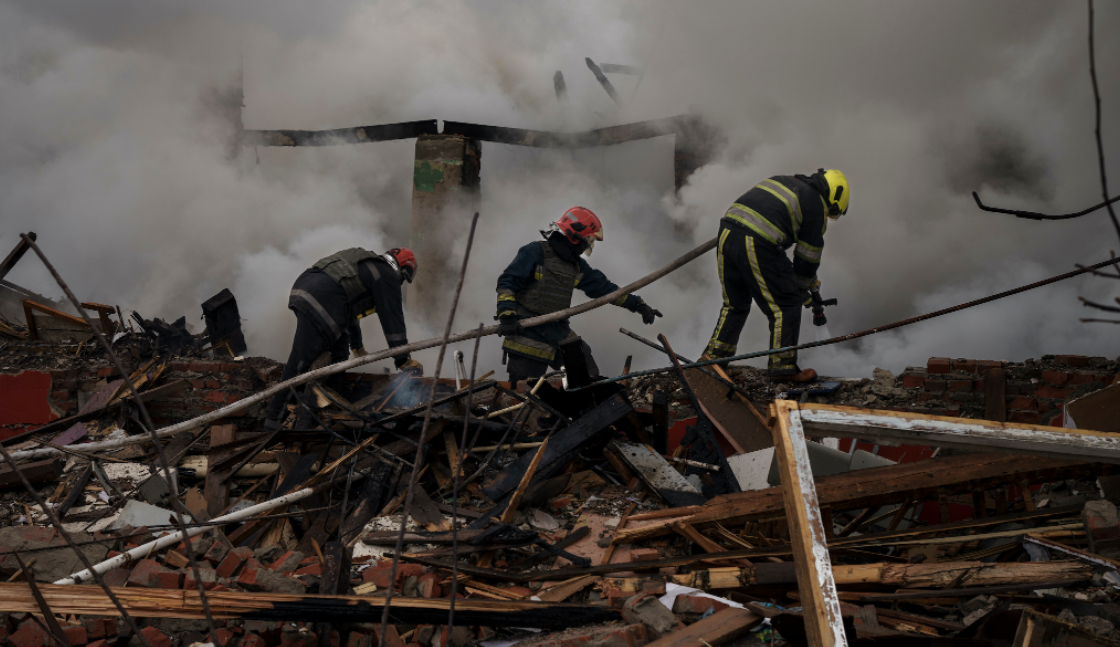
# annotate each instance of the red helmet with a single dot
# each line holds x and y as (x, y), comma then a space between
(580, 224)
(406, 262)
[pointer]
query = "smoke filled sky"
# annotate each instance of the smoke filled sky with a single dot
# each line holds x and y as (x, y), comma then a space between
(117, 120)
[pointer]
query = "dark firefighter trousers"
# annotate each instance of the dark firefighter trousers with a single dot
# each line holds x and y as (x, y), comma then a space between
(521, 367)
(752, 268)
(310, 342)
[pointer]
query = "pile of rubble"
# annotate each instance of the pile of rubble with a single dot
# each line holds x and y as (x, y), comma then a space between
(683, 508)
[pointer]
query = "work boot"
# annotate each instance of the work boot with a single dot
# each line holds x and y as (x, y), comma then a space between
(792, 375)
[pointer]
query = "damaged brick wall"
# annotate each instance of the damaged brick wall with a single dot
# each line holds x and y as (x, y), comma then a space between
(1035, 390)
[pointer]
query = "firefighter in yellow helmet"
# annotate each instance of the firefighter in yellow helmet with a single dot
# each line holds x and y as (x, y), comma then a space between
(778, 213)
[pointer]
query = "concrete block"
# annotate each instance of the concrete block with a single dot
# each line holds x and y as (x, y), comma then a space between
(648, 610)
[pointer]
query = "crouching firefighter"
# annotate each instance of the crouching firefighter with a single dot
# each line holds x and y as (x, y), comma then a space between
(540, 281)
(330, 299)
(754, 234)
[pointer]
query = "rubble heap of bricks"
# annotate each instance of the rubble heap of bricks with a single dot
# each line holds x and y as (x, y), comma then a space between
(1035, 390)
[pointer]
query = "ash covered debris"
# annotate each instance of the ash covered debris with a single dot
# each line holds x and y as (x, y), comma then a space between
(583, 539)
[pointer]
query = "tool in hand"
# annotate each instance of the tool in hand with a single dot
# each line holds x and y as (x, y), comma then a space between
(818, 305)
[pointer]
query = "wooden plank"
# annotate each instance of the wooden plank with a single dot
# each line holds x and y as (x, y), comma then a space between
(565, 445)
(43, 471)
(567, 588)
(656, 472)
(1100, 410)
(715, 630)
(830, 421)
(30, 306)
(735, 417)
(823, 624)
(515, 498)
(67, 600)
(217, 490)
(77, 489)
(693, 535)
(995, 395)
(1041, 630)
(890, 484)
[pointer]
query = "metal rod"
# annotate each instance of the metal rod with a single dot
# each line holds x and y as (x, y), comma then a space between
(455, 491)
(355, 362)
(421, 451)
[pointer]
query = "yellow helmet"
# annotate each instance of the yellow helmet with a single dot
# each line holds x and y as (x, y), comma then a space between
(838, 192)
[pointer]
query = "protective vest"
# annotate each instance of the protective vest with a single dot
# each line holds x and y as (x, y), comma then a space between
(343, 268)
(780, 225)
(555, 281)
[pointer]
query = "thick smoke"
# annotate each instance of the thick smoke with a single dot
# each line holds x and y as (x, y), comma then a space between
(116, 123)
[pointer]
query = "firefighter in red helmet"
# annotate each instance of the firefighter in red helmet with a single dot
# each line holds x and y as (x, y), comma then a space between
(331, 297)
(540, 281)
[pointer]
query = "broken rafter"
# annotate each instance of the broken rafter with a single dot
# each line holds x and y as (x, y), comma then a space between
(830, 421)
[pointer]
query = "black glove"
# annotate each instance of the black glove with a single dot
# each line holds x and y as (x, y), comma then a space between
(648, 313)
(508, 325)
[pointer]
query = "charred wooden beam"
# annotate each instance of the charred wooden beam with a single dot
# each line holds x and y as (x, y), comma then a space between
(357, 135)
(17, 253)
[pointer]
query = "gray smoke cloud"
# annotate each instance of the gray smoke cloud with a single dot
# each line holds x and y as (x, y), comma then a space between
(116, 121)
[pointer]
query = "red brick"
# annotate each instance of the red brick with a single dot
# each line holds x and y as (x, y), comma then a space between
(29, 634)
(939, 365)
(63, 395)
(1077, 379)
(97, 628)
(984, 364)
(230, 367)
(1025, 417)
(208, 576)
(251, 639)
(107, 371)
(960, 386)
(560, 503)
(179, 367)
(1072, 360)
(694, 606)
(392, 636)
(155, 637)
(215, 396)
(964, 365)
(145, 574)
(913, 381)
(197, 384)
(429, 586)
(979, 386)
(1056, 378)
(76, 636)
(287, 562)
(170, 580)
(628, 636)
(296, 638)
(1054, 392)
(233, 397)
(100, 643)
(379, 575)
(225, 637)
(935, 385)
(644, 555)
(310, 569)
(1023, 403)
(205, 367)
(233, 561)
(63, 373)
(212, 384)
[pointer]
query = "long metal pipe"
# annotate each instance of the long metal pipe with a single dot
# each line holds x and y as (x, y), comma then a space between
(355, 362)
(865, 333)
(144, 550)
